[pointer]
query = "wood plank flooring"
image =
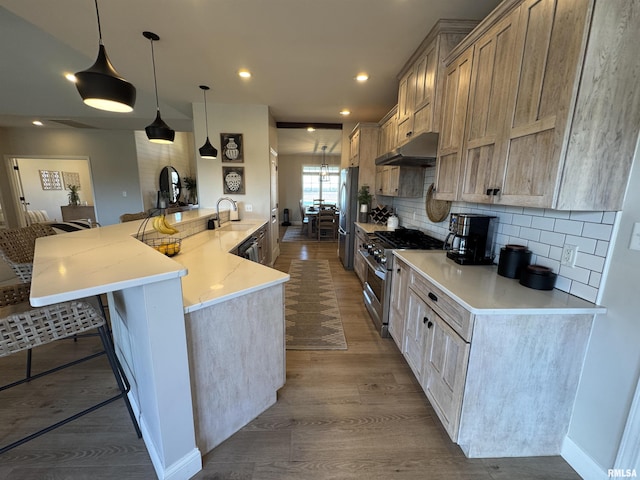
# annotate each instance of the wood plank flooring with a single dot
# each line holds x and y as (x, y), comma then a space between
(354, 414)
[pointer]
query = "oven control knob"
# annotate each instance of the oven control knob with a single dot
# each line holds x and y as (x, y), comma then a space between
(383, 259)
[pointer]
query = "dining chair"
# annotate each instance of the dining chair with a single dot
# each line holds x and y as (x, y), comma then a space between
(305, 219)
(23, 328)
(326, 226)
(17, 246)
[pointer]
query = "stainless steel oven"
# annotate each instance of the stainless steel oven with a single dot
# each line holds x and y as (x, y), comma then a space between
(378, 255)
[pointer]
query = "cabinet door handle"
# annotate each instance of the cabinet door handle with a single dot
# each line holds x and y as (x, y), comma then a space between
(425, 320)
(429, 324)
(496, 191)
(489, 190)
(409, 134)
(398, 271)
(433, 297)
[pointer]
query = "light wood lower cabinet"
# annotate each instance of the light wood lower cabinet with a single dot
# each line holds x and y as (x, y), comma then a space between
(501, 384)
(398, 302)
(359, 263)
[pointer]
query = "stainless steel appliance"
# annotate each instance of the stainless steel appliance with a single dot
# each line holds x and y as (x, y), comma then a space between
(378, 255)
(470, 239)
(348, 214)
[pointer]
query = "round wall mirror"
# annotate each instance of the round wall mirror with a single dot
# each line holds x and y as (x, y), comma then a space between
(170, 184)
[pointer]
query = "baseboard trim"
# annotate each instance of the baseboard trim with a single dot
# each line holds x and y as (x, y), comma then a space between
(582, 463)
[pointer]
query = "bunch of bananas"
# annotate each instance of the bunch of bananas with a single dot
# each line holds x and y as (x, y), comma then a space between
(161, 225)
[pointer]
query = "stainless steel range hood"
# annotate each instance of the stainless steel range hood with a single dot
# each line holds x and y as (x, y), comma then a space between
(419, 151)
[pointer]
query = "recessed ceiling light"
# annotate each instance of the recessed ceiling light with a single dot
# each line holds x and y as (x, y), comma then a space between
(362, 77)
(71, 77)
(311, 129)
(244, 73)
(345, 112)
(37, 123)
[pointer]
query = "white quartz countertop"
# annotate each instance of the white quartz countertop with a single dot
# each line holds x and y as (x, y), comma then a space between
(481, 290)
(373, 227)
(99, 260)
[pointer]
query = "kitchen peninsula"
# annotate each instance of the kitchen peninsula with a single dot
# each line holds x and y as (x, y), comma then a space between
(200, 335)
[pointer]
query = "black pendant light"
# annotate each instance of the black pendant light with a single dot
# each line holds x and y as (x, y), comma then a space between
(101, 87)
(158, 131)
(207, 150)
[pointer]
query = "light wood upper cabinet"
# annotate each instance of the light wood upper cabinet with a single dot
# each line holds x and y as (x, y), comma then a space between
(489, 101)
(363, 152)
(388, 131)
(421, 79)
(554, 108)
(453, 121)
(397, 181)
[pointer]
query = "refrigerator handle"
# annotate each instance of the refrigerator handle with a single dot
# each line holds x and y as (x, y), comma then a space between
(341, 231)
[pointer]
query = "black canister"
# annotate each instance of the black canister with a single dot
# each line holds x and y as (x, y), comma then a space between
(513, 259)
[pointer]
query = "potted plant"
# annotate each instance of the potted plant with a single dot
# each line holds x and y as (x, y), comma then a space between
(191, 185)
(364, 199)
(74, 196)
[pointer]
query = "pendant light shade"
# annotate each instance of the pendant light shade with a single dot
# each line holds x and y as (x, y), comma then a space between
(158, 131)
(324, 168)
(207, 150)
(101, 87)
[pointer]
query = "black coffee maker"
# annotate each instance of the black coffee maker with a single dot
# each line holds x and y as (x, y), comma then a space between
(470, 239)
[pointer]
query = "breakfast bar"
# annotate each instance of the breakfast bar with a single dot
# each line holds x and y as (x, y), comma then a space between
(184, 327)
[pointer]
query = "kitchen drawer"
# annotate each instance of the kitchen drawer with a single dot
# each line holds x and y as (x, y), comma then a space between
(456, 316)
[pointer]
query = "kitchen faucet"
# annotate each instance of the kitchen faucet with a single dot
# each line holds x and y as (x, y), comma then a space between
(230, 200)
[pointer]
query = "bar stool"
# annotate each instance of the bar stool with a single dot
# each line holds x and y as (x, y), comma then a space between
(24, 329)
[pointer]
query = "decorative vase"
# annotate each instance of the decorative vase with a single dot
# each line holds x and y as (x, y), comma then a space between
(364, 213)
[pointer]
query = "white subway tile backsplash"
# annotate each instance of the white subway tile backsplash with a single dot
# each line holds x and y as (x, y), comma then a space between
(557, 213)
(602, 248)
(544, 232)
(570, 227)
(590, 262)
(552, 238)
(609, 218)
(584, 291)
(522, 220)
(543, 223)
(563, 283)
(586, 245)
(530, 234)
(597, 230)
(540, 249)
(575, 273)
(595, 217)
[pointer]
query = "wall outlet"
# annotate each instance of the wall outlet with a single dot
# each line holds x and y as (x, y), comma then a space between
(569, 254)
(248, 207)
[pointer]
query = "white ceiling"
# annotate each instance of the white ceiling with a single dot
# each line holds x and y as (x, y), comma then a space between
(304, 55)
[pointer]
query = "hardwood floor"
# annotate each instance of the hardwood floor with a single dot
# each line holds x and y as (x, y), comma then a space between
(354, 414)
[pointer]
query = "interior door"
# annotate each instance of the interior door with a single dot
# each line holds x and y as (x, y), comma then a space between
(274, 229)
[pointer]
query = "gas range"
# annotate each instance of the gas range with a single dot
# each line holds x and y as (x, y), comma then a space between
(378, 254)
(384, 241)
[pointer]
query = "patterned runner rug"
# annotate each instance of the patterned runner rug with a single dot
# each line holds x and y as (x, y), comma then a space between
(293, 234)
(311, 308)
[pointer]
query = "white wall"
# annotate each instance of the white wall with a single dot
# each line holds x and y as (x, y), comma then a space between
(51, 200)
(112, 156)
(290, 180)
(612, 365)
(253, 122)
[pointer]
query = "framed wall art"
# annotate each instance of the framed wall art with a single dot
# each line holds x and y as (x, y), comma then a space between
(233, 180)
(232, 147)
(50, 180)
(71, 178)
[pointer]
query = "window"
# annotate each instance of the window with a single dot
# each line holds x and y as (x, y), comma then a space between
(313, 188)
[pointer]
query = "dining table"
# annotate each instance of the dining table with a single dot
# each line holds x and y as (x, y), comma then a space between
(312, 214)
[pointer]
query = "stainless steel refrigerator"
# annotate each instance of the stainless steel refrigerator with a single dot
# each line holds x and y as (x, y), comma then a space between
(348, 215)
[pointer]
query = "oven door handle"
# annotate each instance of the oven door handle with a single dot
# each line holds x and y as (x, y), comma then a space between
(380, 274)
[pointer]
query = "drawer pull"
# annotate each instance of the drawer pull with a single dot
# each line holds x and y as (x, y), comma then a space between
(433, 297)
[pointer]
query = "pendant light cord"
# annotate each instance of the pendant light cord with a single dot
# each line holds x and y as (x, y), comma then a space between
(98, 16)
(155, 82)
(206, 115)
